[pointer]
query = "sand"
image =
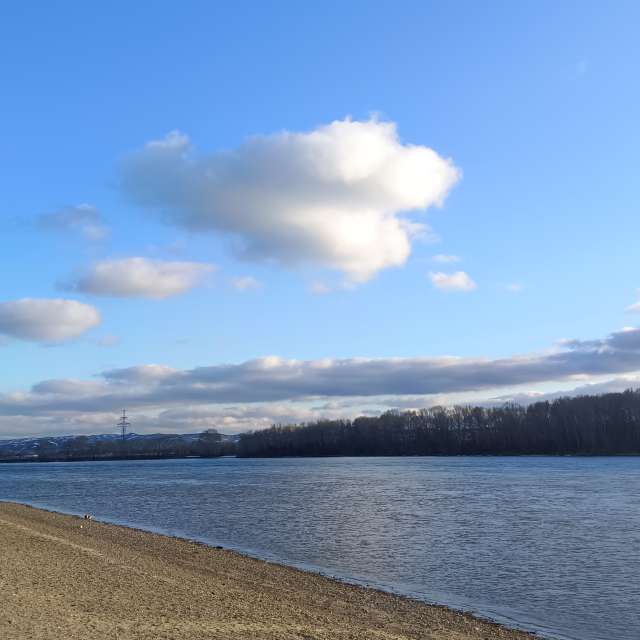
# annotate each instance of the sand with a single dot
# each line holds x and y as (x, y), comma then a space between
(62, 577)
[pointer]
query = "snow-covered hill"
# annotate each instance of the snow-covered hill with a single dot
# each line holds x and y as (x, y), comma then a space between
(56, 444)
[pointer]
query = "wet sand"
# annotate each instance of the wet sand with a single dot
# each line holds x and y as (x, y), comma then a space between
(62, 577)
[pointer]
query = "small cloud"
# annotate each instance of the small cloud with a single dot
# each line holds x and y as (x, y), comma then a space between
(420, 232)
(245, 283)
(443, 258)
(582, 68)
(108, 341)
(458, 281)
(46, 320)
(319, 288)
(514, 287)
(139, 277)
(84, 219)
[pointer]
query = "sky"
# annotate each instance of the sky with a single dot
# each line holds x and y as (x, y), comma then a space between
(234, 214)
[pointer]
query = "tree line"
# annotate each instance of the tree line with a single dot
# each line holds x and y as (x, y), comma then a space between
(606, 424)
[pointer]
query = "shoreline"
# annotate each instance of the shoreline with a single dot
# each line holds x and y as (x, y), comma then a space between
(145, 458)
(221, 593)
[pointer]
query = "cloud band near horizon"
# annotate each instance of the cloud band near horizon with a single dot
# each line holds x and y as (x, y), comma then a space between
(290, 383)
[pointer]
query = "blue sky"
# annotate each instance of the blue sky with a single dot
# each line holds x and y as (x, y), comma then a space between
(533, 103)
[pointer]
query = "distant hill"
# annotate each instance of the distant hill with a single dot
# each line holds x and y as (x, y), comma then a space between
(108, 445)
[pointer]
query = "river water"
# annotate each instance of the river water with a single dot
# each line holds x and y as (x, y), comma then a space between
(547, 544)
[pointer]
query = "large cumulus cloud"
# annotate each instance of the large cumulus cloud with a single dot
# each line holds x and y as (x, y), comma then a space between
(333, 197)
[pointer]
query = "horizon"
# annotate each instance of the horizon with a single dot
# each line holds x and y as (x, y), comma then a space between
(522, 402)
(230, 220)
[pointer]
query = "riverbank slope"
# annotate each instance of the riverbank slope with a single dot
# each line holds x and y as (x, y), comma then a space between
(65, 577)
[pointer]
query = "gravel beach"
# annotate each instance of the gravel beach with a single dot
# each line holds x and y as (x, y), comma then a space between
(62, 577)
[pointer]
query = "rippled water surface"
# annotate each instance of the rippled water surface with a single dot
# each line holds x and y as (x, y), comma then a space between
(551, 544)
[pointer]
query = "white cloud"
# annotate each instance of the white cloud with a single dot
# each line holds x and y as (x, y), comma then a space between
(46, 320)
(332, 197)
(245, 283)
(140, 277)
(457, 281)
(514, 287)
(140, 374)
(82, 218)
(443, 258)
